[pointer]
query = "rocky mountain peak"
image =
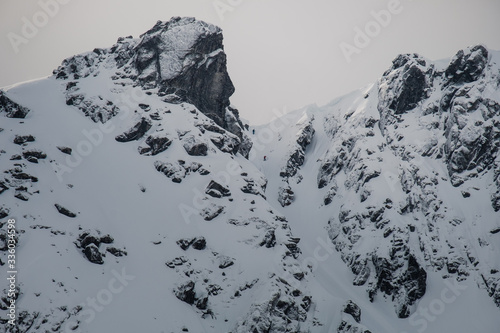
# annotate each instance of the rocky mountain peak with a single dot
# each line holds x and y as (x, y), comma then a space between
(186, 57)
(180, 60)
(467, 65)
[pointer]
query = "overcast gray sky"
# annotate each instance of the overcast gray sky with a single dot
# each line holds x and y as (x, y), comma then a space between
(282, 54)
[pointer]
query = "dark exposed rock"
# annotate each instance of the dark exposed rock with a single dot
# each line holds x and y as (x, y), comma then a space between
(185, 292)
(107, 239)
(346, 327)
(217, 190)
(3, 187)
(95, 107)
(199, 243)
(297, 156)
(65, 150)
(178, 171)
(18, 174)
(353, 309)
(21, 196)
(285, 196)
(408, 284)
(145, 107)
(156, 145)
(293, 249)
(4, 212)
(20, 139)
(195, 73)
(252, 187)
(402, 87)
(11, 108)
(172, 171)
(37, 154)
(195, 147)
(179, 261)
(64, 211)
(269, 240)
(470, 145)
(227, 143)
(211, 212)
(86, 239)
(3, 241)
(225, 262)
(467, 66)
(202, 303)
(208, 87)
(185, 243)
(16, 157)
(331, 167)
(330, 194)
(116, 252)
(136, 132)
(92, 253)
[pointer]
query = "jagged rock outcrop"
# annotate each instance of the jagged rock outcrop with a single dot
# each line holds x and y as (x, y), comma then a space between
(136, 132)
(403, 86)
(182, 59)
(11, 108)
(394, 149)
(467, 65)
(296, 156)
(217, 190)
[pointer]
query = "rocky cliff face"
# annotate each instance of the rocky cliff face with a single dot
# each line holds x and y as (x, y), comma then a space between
(407, 163)
(181, 60)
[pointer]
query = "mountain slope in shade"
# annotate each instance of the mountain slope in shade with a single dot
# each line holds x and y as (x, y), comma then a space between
(143, 203)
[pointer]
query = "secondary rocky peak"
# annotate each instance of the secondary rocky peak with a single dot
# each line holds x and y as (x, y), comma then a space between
(185, 57)
(403, 86)
(467, 65)
(180, 60)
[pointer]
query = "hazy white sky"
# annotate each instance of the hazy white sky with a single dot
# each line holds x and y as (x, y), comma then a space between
(282, 54)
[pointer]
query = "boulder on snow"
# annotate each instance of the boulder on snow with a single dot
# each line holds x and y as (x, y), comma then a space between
(136, 132)
(185, 292)
(21, 139)
(195, 147)
(64, 211)
(353, 309)
(285, 196)
(157, 144)
(199, 243)
(92, 253)
(65, 150)
(217, 190)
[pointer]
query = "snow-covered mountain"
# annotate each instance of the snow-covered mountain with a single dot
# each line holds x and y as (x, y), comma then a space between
(143, 202)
